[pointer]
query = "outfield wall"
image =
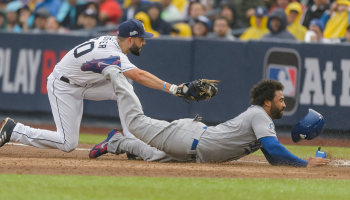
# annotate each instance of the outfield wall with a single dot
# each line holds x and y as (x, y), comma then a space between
(316, 76)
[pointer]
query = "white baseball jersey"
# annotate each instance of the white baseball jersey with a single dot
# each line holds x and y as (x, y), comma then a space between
(237, 137)
(66, 99)
(97, 48)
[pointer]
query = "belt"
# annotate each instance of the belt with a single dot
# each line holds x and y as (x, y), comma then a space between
(194, 144)
(59, 76)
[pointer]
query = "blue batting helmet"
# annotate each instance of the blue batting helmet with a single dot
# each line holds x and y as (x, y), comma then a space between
(309, 127)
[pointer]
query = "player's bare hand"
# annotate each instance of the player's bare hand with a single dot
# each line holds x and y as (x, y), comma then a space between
(316, 161)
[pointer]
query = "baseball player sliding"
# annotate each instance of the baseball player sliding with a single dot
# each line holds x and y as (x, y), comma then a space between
(188, 139)
(68, 85)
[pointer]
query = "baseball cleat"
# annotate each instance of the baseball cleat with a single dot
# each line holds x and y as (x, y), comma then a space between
(6, 130)
(99, 65)
(101, 149)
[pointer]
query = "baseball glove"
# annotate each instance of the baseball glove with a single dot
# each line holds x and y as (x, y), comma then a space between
(198, 90)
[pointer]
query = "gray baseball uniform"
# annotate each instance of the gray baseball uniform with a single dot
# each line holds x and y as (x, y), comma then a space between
(185, 139)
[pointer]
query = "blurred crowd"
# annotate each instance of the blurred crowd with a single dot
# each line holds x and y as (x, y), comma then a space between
(324, 21)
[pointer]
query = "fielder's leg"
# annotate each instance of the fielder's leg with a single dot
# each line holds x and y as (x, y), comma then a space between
(67, 107)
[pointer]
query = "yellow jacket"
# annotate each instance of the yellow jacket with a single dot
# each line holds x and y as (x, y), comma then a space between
(254, 32)
(146, 23)
(337, 24)
(295, 28)
(184, 30)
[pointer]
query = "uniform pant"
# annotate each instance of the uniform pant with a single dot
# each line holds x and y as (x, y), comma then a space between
(66, 102)
(176, 139)
(120, 144)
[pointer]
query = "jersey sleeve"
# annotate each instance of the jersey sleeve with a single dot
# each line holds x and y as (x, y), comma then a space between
(125, 63)
(263, 126)
(277, 154)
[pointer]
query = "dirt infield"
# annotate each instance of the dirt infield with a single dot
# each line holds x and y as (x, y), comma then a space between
(30, 160)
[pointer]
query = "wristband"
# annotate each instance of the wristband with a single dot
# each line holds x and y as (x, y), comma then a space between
(173, 89)
(164, 86)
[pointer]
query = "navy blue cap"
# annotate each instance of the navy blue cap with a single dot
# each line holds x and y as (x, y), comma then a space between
(260, 11)
(317, 22)
(133, 28)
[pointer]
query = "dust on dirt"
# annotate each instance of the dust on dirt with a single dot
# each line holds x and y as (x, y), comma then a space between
(31, 160)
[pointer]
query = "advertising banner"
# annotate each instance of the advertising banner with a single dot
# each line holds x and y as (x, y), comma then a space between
(315, 76)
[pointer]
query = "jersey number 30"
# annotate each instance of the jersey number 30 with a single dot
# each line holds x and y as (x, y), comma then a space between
(83, 49)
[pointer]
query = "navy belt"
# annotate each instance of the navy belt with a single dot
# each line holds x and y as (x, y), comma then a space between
(195, 142)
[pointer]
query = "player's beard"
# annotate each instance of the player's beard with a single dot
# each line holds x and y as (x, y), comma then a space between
(134, 49)
(276, 113)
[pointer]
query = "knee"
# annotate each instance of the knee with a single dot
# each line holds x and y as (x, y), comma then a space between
(70, 147)
(134, 125)
(131, 126)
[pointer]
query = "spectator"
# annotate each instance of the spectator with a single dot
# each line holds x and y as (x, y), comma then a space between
(346, 39)
(270, 4)
(315, 11)
(181, 30)
(134, 7)
(245, 9)
(159, 25)
(109, 12)
(222, 29)
(219, 3)
(69, 11)
(181, 5)
(280, 4)
(277, 25)
(81, 16)
(52, 6)
(40, 18)
(196, 9)
(3, 4)
(201, 27)
(91, 5)
(229, 12)
(315, 32)
(170, 12)
(90, 19)
(144, 18)
(336, 20)
(2, 21)
(294, 12)
(52, 26)
(11, 14)
(23, 15)
(258, 24)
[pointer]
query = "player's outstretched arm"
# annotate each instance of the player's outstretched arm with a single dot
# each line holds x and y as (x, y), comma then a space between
(279, 153)
(196, 90)
(147, 79)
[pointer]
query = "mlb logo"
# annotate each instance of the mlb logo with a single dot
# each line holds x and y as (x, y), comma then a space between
(283, 65)
(287, 75)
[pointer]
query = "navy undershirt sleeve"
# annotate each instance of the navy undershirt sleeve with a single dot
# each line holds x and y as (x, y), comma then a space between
(277, 154)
